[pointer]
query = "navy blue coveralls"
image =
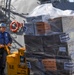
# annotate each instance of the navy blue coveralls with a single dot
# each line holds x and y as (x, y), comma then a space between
(4, 40)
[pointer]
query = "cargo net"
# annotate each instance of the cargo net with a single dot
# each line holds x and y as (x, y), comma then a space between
(50, 45)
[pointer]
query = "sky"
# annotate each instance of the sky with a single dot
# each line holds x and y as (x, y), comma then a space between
(71, 0)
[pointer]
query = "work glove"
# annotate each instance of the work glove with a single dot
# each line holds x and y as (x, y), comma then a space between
(1, 46)
(8, 44)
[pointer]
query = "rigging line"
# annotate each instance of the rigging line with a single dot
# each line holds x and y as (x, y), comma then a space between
(8, 4)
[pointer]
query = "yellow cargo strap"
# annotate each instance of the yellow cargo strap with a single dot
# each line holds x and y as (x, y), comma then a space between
(7, 49)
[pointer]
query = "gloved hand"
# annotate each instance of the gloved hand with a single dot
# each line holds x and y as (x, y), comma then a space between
(8, 44)
(1, 46)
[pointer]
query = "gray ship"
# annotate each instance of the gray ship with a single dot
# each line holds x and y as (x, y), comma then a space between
(18, 10)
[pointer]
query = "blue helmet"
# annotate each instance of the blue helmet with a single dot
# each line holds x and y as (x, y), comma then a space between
(2, 25)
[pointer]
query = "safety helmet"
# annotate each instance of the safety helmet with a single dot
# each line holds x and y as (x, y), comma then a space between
(2, 25)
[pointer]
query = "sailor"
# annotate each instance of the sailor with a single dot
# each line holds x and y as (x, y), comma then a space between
(5, 39)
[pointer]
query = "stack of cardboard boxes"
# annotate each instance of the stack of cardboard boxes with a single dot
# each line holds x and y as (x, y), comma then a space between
(49, 41)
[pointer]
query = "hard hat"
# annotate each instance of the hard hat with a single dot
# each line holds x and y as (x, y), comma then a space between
(2, 25)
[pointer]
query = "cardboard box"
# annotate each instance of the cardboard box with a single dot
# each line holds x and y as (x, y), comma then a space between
(38, 27)
(34, 44)
(46, 28)
(56, 49)
(51, 39)
(48, 40)
(62, 49)
(42, 28)
(60, 63)
(56, 24)
(55, 38)
(36, 66)
(60, 67)
(46, 44)
(49, 50)
(49, 64)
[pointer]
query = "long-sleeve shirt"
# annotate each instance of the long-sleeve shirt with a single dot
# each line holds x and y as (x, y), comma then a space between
(5, 38)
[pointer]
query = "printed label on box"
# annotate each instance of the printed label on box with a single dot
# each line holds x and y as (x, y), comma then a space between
(62, 49)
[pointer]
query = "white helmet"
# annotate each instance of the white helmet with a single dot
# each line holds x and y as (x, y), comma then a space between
(2, 25)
